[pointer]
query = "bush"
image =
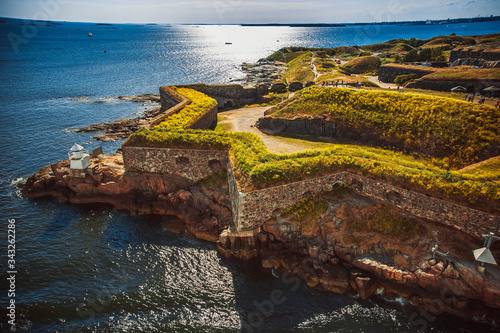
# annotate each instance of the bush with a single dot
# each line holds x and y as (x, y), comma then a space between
(440, 127)
(200, 104)
(404, 79)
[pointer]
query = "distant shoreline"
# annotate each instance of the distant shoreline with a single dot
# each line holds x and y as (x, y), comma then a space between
(329, 25)
(4, 20)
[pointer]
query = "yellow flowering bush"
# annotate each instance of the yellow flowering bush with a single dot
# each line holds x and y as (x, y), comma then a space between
(200, 104)
(437, 126)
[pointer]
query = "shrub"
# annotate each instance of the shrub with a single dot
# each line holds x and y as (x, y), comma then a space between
(442, 127)
(404, 79)
(200, 104)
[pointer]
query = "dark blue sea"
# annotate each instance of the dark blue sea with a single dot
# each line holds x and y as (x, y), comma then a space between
(93, 268)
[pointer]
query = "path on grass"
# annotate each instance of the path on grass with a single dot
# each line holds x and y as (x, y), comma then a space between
(244, 119)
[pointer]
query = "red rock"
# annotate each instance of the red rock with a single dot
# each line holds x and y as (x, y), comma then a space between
(438, 268)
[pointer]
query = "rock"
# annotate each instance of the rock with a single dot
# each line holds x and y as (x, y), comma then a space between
(401, 261)
(438, 268)
(365, 287)
(451, 272)
(271, 262)
(432, 261)
(425, 266)
(335, 279)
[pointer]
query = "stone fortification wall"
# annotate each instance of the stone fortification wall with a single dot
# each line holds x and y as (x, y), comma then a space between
(488, 55)
(388, 73)
(252, 209)
(192, 164)
(205, 121)
(257, 206)
(234, 193)
(171, 102)
(169, 98)
(234, 94)
(446, 85)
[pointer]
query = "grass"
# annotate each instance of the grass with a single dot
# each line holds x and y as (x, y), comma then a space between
(437, 127)
(214, 182)
(489, 169)
(222, 127)
(300, 69)
(388, 224)
(361, 65)
(324, 65)
(307, 210)
(256, 167)
(464, 73)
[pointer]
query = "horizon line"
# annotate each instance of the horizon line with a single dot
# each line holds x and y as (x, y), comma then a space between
(491, 17)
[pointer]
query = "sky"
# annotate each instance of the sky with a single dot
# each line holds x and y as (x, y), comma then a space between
(245, 11)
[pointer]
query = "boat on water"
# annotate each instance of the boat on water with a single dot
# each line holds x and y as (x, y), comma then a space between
(229, 43)
(90, 34)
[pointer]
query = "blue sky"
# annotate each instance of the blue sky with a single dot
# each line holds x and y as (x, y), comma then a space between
(245, 11)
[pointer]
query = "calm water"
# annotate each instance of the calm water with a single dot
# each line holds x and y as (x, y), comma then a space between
(98, 269)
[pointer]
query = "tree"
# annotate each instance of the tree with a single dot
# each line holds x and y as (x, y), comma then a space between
(397, 58)
(411, 56)
(425, 55)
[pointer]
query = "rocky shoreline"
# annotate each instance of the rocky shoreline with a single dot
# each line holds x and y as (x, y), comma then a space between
(326, 254)
(264, 71)
(123, 128)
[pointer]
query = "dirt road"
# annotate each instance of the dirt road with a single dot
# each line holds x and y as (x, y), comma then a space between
(244, 119)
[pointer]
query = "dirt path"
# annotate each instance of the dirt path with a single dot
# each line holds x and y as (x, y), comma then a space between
(243, 120)
(315, 70)
(375, 80)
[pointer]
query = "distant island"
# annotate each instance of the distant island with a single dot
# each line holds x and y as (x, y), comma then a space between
(333, 25)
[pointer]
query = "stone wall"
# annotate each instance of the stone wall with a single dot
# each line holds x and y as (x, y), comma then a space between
(229, 94)
(254, 208)
(206, 120)
(488, 55)
(171, 102)
(234, 193)
(388, 73)
(169, 98)
(446, 85)
(189, 163)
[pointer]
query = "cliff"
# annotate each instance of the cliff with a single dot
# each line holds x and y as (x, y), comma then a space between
(339, 241)
(206, 210)
(328, 253)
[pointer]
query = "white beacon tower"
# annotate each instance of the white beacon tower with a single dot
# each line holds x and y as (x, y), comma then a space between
(79, 157)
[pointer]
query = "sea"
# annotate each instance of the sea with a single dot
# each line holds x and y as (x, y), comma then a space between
(93, 268)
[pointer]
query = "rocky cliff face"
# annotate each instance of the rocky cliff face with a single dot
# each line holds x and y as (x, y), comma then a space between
(330, 255)
(204, 209)
(347, 247)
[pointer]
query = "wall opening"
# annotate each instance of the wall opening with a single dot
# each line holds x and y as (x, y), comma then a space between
(215, 164)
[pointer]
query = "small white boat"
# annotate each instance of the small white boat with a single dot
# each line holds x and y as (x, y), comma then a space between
(90, 34)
